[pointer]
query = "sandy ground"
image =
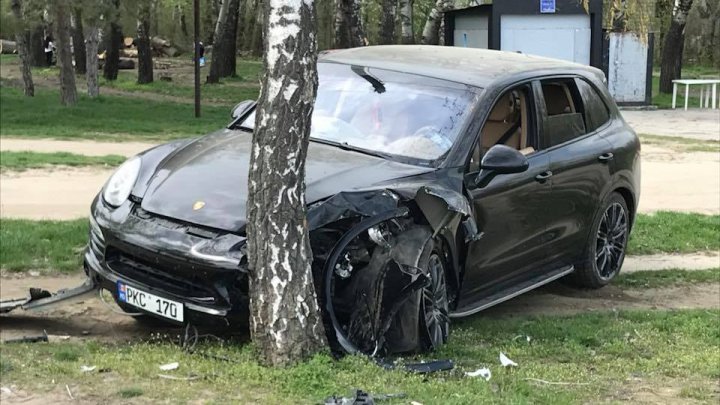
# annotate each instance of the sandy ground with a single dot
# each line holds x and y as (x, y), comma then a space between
(693, 261)
(88, 148)
(694, 123)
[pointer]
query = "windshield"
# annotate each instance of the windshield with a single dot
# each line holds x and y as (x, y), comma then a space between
(387, 112)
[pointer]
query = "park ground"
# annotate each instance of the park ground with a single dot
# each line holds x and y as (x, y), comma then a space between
(651, 337)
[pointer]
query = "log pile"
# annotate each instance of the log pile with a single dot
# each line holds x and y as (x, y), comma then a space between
(7, 47)
(161, 48)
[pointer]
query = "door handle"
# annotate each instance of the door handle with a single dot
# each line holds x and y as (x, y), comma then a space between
(606, 157)
(542, 177)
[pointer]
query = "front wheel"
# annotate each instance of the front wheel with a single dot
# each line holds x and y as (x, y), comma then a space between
(606, 246)
(434, 306)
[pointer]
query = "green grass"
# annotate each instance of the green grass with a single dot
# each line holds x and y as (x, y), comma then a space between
(674, 232)
(48, 246)
(604, 351)
(663, 100)
(665, 278)
(681, 144)
(54, 246)
(29, 160)
(110, 118)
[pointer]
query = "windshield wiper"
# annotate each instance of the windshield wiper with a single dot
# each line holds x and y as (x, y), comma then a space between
(347, 146)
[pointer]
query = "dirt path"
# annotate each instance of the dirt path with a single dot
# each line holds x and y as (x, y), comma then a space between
(94, 319)
(88, 148)
(694, 123)
(693, 261)
(43, 194)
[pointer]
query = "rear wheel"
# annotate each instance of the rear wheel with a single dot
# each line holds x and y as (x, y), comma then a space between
(434, 306)
(605, 250)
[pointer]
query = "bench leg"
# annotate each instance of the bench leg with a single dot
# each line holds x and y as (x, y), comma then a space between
(674, 95)
(687, 95)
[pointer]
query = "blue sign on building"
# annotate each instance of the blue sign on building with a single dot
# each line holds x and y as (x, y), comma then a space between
(547, 6)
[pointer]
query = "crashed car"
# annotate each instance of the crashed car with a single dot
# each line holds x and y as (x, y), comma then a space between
(441, 181)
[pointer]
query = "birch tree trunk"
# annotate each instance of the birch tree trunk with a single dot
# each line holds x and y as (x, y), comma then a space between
(78, 39)
(387, 22)
(91, 59)
(432, 25)
(68, 92)
(145, 63)
(224, 50)
(349, 32)
(671, 62)
(23, 48)
(405, 10)
(285, 320)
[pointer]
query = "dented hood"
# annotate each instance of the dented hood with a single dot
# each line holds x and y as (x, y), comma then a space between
(213, 172)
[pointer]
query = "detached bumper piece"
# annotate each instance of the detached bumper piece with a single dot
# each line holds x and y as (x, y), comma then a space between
(39, 299)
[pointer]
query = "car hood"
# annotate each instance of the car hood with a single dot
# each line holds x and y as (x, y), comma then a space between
(205, 181)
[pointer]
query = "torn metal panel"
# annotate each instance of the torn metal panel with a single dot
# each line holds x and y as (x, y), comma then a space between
(39, 299)
(351, 204)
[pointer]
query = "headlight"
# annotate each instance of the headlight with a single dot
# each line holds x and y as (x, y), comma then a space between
(118, 188)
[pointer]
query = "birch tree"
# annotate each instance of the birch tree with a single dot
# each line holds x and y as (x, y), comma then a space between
(23, 48)
(145, 63)
(349, 32)
(387, 22)
(92, 33)
(224, 52)
(671, 61)
(68, 91)
(430, 35)
(405, 11)
(285, 320)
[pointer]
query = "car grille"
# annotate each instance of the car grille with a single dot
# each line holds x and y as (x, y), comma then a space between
(96, 241)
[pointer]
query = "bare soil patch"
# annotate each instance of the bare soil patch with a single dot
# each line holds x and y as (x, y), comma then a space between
(693, 261)
(694, 123)
(88, 148)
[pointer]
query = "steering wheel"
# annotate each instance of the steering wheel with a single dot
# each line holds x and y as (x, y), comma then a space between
(434, 134)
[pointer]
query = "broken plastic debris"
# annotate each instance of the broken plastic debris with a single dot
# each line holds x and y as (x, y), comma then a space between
(505, 361)
(481, 372)
(170, 366)
(86, 369)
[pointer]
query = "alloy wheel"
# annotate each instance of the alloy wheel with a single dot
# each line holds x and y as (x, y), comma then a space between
(435, 303)
(611, 241)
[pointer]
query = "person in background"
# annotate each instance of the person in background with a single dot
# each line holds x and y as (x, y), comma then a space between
(49, 47)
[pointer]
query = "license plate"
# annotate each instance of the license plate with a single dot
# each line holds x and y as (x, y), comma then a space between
(150, 302)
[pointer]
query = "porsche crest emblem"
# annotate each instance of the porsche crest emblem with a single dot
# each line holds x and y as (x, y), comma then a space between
(198, 205)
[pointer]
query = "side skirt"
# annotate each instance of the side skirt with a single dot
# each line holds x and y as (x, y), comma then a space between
(513, 292)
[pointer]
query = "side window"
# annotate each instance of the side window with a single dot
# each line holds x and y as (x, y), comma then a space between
(564, 119)
(596, 112)
(510, 122)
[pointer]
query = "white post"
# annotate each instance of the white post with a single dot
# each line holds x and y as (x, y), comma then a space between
(702, 90)
(687, 94)
(674, 94)
(707, 96)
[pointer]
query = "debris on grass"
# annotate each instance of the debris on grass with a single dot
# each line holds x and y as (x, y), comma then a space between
(170, 366)
(191, 377)
(481, 372)
(505, 361)
(87, 369)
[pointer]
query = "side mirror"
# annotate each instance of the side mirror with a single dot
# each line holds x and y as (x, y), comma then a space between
(241, 108)
(500, 159)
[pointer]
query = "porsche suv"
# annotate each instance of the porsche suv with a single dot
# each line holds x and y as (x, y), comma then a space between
(440, 181)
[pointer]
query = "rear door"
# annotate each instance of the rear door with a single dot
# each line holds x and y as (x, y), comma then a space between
(573, 118)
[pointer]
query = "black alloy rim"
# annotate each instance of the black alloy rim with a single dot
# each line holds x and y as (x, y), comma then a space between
(611, 241)
(435, 303)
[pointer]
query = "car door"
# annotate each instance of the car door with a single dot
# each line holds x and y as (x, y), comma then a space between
(509, 211)
(579, 162)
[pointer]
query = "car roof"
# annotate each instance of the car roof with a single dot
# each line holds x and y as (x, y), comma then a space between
(476, 67)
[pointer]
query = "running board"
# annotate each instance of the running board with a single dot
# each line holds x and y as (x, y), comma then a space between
(513, 292)
(38, 299)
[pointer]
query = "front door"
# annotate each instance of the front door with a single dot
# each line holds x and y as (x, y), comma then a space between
(511, 210)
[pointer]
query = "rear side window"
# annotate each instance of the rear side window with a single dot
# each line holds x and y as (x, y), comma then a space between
(596, 112)
(564, 118)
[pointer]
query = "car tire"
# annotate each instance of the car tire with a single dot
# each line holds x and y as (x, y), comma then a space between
(434, 325)
(606, 245)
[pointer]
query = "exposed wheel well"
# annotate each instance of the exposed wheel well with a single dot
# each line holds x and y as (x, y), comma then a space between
(627, 195)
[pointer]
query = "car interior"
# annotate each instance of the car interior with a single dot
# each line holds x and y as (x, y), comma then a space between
(564, 119)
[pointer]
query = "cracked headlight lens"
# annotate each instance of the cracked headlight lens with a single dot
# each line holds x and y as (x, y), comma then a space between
(118, 188)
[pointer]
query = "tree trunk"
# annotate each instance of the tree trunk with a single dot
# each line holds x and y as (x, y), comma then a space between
(68, 92)
(349, 31)
(618, 11)
(405, 9)
(91, 57)
(224, 49)
(23, 38)
(78, 39)
(37, 50)
(145, 63)
(285, 321)
(114, 42)
(387, 22)
(671, 62)
(431, 31)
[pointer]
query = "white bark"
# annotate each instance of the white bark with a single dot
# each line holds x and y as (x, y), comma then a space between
(405, 12)
(432, 25)
(91, 58)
